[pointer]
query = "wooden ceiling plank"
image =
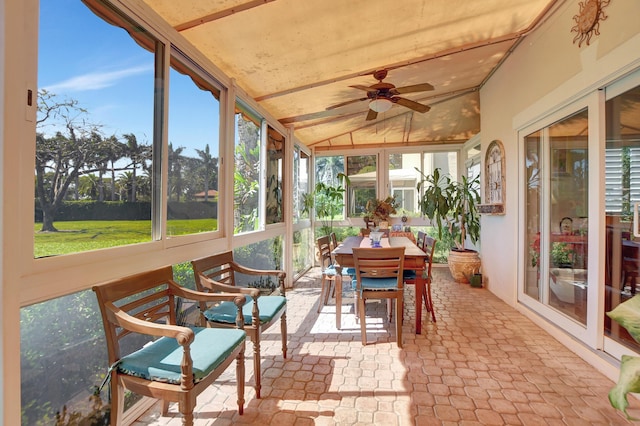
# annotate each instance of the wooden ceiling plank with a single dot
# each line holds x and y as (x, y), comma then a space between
(385, 145)
(514, 36)
(221, 14)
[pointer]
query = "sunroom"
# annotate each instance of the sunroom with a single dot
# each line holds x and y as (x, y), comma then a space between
(164, 131)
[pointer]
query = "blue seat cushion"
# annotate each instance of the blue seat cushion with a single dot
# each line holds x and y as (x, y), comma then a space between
(331, 271)
(160, 361)
(390, 283)
(225, 312)
(409, 274)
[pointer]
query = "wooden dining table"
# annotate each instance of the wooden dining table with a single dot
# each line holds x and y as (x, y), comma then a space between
(414, 260)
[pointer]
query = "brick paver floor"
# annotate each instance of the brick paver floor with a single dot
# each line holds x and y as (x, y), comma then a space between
(482, 362)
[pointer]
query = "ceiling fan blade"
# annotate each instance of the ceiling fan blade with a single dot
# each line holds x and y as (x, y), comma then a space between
(411, 104)
(424, 87)
(365, 88)
(371, 115)
(352, 101)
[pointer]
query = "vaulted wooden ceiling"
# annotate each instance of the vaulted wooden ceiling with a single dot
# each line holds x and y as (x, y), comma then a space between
(297, 58)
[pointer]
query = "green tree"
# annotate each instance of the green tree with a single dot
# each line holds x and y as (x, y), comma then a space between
(209, 166)
(139, 154)
(175, 171)
(247, 176)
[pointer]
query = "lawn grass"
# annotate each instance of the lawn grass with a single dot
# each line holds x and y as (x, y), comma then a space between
(79, 236)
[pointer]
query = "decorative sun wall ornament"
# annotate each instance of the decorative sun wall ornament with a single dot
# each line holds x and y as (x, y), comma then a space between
(588, 20)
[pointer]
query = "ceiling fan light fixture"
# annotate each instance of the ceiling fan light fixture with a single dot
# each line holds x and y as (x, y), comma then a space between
(380, 105)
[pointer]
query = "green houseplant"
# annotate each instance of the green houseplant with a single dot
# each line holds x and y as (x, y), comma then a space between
(328, 201)
(453, 205)
(380, 210)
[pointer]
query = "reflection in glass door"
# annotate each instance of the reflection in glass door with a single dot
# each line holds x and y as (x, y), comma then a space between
(622, 193)
(557, 192)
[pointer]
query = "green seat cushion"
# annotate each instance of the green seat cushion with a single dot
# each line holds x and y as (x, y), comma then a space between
(160, 361)
(225, 312)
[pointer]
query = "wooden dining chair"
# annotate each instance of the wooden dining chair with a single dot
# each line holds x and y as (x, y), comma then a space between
(168, 362)
(420, 240)
(328, 270)
(333, 239)
(429, 247)
(378, 275)
(217, 273)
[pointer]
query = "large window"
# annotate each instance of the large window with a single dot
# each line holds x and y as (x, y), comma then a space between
(403, 180)
(193, 152)
(94, 130)
(275, 176)
(301, 191)
(363, 177)
(247, 172)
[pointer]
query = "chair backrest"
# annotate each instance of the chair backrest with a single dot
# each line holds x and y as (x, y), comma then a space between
(385, 262)
(429, 247)
(334, 240)
(420, 240)
(365, 232)
(147, 296)
(217, 267)
(324, 251)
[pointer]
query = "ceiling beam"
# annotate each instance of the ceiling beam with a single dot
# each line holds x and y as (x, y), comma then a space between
(387, 144)
(221, 14)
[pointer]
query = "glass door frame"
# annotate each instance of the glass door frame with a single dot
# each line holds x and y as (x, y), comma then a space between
(611, 91)
(591, 334)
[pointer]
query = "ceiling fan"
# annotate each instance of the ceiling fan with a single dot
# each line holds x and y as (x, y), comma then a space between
(383, 95)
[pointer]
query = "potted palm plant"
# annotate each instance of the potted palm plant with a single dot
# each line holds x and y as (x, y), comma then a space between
(452, 205)
(328, 201)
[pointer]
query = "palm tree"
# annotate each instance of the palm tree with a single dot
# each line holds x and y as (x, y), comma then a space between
(328, 169)
(139, 154)
(175, 171)
(209, 163)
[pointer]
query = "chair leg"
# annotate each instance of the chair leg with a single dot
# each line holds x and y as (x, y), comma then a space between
(165, 408)
(322, 292)
(117, 401)
(327, 291)
(429, 300)
(399, 315)
(240, 380)
(363, 325)
(186, 410)
(256, 362)
(283, 331)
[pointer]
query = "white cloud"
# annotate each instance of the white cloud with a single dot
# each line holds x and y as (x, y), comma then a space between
(96, 81)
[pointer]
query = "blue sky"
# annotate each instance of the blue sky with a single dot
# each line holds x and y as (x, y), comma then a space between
(82, 57)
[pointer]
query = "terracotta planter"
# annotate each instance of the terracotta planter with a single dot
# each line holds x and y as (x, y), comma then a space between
(463, 264)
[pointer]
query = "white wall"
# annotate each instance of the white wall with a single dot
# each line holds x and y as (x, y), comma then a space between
(546, 71)
(3, 39)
